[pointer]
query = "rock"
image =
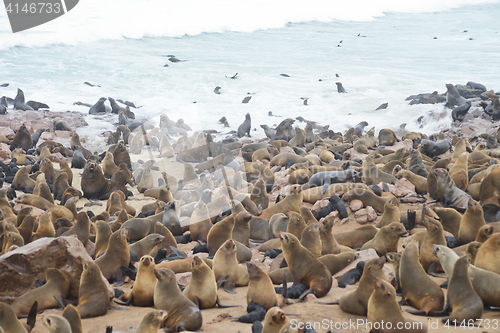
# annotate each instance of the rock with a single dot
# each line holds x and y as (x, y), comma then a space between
(287, 149)
(402, 188)
(371, 213)
(7, 132)
(361, 216)
(467, 92)
(5, 153)
(355, 205)
(63, 134)
(22, 267)
(318, 205)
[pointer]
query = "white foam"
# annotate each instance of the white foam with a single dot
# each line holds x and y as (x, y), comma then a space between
(93, 20)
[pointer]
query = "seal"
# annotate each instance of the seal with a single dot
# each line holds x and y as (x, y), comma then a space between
(487, 255)
(274, 320)
(57, 285)
(121, 155)
(305, 268)
(144, 246)
(417, 288)
(459, 112)
(19, 103)
(472, 221)
(356, 302)
(383, 308)
(93, 296)
(292, 202)
(73, 317)
(116, 255)
(259, 194)
(22, 139)
(95, 186)
(202, 288)
(78, 161)
(453, 98)
(340, 87)
(357, 237)
(448, 193)
(225, 265)
(182, 313)
(260, 287)
(419, 182)
(142, 292)
(56, 324)
(416, 164)
(391, 213)
(98, 107)
(433, 235)
(459, 172)
(464, 302)
(387, 137)
(326, 178)
(151, 322)
(245, 127)
(22, 178)
(171, 219)
(433, 149)
(386, 239)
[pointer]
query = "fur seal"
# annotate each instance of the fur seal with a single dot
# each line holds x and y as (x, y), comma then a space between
(274, 320)
(144, 246)
(171, 219)
(22, 139)
(387, 137)
(19, 103)
(73, 317)
(459, 112)
(78, 160)
(225, 265)
(305, 267)
(487, 255)
(326, 178)
(57, 285)
(117, 254)
(245, 127)
(472, 221)
(453, 98)
(356, 302)
(98, 107)
(292, 202)
(340, 87)
(260, 287)
(202, 288)
(56, 324)
(142, 293)
(95, 186)
(433, 149)
(383, 308)
(93, 295)
(433, 235)
(151, 322)
(464, 302)
(417, 288)
(448, 193)
(182, 313)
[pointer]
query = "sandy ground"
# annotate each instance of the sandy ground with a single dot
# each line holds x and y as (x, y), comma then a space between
(324, 317)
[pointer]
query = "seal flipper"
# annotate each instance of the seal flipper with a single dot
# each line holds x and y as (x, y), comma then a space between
(325, 186)
(178, 252)
(225, 306)
(229, 286)
(127, 302)
(257, 327)
(220, 282)
(119, 279)
(31, 321)
(109, 329)
(304, 294)
(128, 272)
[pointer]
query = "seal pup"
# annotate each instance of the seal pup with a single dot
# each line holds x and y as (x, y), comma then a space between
(98, 107)
(93, 295)
(245, 127)
(19, 103)
(274, 320)
(383, 308)
(182, 313)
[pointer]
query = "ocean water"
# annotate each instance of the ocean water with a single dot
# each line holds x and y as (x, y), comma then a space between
(382, 51)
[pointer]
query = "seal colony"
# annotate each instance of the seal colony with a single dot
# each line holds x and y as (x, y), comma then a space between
(169, 215)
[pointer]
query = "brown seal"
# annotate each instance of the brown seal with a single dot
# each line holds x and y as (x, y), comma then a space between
(93, 296)
(241, 229)
(81, 228)
(260, 287)
(282, 159)
(9, 321)
(200, 223)
(433, 235)
(123, 175)
(386, 239)
(356, 301)
(108, 165)
(391, 213)
(373, 175)
(329, 244)
(464, 302)
(488, 254)
(202, 287)
(292, 202)
(395, 259)
(472, 221)
(144, 246)
(56, 324)
(419, 182)
(116, 255)
(305, 267)
(219, 233)
(450, 219)
(121, 155)
(95, 185)
(22, 178)
(366, 196)
(295, 225)
(22, 138)
(151, 322)
(459, 171)
(387, 137)
(383, 308)
(142, 292)
(357, 237)
(73, 317)
(182, 313)
(57, 285)
(168, 239)
(225, 265)
(311, 239)
(259, 194)
(275, 319)
(490, 186)
(447, 192)
(417, 288)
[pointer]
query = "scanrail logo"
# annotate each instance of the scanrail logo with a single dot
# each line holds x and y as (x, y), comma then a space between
(26, 14)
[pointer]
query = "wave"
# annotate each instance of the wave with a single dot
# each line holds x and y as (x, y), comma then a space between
(93, 20)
